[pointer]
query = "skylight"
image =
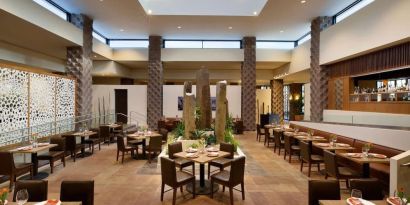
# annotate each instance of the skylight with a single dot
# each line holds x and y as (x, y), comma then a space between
(221, 44)
(286, 45)
(202, 44)
(129, 43)
(349, 11)
(54, 9)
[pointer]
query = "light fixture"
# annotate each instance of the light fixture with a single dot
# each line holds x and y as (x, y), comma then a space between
(230, 27)
(179, 27)
(255, 13)
(95, 56)
(149, 11)
(122, 30)
(303, 1)
(282, 31)
(101, 0)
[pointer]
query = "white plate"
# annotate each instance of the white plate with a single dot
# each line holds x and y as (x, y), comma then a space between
(362, 201)
(45, 202)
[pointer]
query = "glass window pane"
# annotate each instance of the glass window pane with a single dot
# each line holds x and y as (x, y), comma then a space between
(304, 39)
(99, 37)
(52, 8)
(275, 45)
(353, 10)
(129, 43)
(183, 44)
(221, 44)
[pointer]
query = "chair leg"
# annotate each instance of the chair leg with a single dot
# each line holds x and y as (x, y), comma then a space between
(223, 188)
(162, 191)
(231, 195)
(118, 153)
(318, 167)
(310, 167)
(290, 157)
(284, 155)
(279, 151)
(51, 166)
(149, 157)
(11, 182)
(182, 189)
(193, 188)
(63, 160)
(301, 166)
(243, 190)
(122, 157)
(75, 156)
(209, 170)
(174, 196)
(212, 189)
(99, 145)
(326, 176)
(193, 170)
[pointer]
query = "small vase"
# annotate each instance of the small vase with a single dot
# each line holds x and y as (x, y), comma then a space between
(3, 202)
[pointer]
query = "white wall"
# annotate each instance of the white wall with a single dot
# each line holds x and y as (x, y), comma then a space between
(171, 93)
(300, 58)
(263, 96)
(398, 139)
(111, 68)
(307, 102)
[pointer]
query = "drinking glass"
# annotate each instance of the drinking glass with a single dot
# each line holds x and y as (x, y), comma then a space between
(356, 193)
(365, 151)
(22, 196)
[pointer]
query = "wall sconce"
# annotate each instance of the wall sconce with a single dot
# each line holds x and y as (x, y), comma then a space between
(297, 97)
(290, 97)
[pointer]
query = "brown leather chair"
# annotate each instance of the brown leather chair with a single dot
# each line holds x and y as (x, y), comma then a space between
(231, 178)
(173, 178)
(123, 149)
(308, 157)
(54, 153)
(179, 162)
(94, 140)
(259, 132)
(334, 170)
(105, 134)
(221, 163)
(290, 147)
(131, 142)
(37, 189)
(372, 189)
(164, 134)
(323, 190)
(72, 146)
(279, 142)
(77, 191)
(118, 131)
(268, 137)
(155, 145)
(13, 170)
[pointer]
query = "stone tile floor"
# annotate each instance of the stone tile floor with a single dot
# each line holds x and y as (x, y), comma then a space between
(268, 178)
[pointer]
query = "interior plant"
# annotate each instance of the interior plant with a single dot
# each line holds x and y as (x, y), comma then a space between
(402, 196)
(229, 138)
(179, 130)
(229, 122)
(197, 134)
(194, 146)
(3, 196)
(197, 116)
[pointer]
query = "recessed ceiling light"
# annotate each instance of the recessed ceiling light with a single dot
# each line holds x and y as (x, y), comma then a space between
(230, 27)
(303, 1)
(282, 31)
(101, 0)
(179, 27)
(149, 11)
(255, 13)
(122, 30)
(95, 56)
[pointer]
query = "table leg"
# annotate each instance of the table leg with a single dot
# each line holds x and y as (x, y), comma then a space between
(144, 148)
(36, 174)
(366, 170)
(34, 160)
(202, 175)
(202, 186)
(83, 142)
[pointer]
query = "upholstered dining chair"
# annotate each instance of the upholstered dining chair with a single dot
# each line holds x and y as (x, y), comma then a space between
(55, 153)
(308, 157)
(181, 163)
(94, 140)
(279, 142)
(13, 170)
(323, 190)
(221, 163)
(290, 147)
(334, 170)
(259, 132)
(72, 146)
(154, 146)
(37, 189)
(371, 188)
(173, 178)
(268, 137)
(123, 149)
(105, 134)
(164, 134)
(231, 178)
(77, 191)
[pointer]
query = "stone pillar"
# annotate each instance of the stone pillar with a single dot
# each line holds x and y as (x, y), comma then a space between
(155, 81)
(248, 84)
(318, 74)
(189, 114)
(79, 65)
(296, 103)
(277, 98)
(203, 98)
(187, 89)
(221, 109)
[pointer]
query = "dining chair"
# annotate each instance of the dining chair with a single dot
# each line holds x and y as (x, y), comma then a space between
(174, 148)
(268, 137)
(371, 188)
(105, 134)
(13, 170)
(77, 191)
(231, 178)
(279, 142)
(173, 178)
(164, 134)
(290, 147)
(94, 140)
(154, 146)
(37, 189)
(334, 170)
(72, 146)
(308, 157)
(259, 132)
(55, 153)
(123, 149)
(221, 163)
(131, 142)
(323, 190)
(118, 131)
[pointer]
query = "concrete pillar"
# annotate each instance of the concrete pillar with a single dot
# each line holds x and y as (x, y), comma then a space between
(277, 98)
(79, 65)
(155, 81)
(203, 98)
(221, 110)
(189, 114)
(248, 84)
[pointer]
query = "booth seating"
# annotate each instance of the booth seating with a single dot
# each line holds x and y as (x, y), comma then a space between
(168, 123)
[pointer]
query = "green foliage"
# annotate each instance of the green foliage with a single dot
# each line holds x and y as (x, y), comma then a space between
(179, 130)
(229, 138)
(298, 106)
(229, 122)
(197, 134)
(194, 146)
(197, 115)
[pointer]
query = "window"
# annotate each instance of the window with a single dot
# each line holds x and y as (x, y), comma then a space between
(304, 39)
(53, 8)
(128, 43)
(351, 10)
(275, 44)
(221, 44)
(201, 44)
(183, 44)
(392, 84)
(286, 96)
(401, 83)
(99, 37)
(379, 84)
(303, 98)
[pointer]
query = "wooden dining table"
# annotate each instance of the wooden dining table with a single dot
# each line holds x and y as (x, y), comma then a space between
(338, 147)
(34, 152)
(343, 202)
(202, 187)
(143, 137)
(365, 161)
(34, 203)
(83, 135)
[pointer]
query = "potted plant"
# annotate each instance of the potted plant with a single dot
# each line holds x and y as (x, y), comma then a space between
(3, 196)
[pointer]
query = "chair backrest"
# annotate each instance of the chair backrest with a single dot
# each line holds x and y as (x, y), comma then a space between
(97, 135)
(288, 143)
(372, 189)
(7, 163)
(277, 136)
(60, 143)
(174, 148)
(104, 131)
(164, 133)
(155, 143)
(70, 142)
(225, 147)
(330, 163)
(305, 151)
(267, 133)
(168, 172)
(323, 190)
(258, 129)
(37, 189)
(237, 172)
(120, 143)
(77, 191)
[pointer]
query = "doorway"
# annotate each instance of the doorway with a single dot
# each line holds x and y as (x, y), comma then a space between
(121, 105)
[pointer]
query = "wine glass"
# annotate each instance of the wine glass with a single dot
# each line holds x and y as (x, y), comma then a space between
(365, 151)
(22, 196)
(356, 193)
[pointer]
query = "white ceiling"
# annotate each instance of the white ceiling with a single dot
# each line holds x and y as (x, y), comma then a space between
(290, 16)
